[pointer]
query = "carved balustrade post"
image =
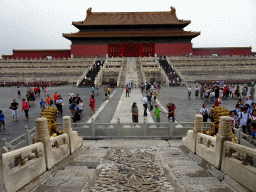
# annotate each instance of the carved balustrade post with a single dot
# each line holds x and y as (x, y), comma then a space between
(68, 130)
(198, 128)
(224, 134)
(2, 184)
(44, 137)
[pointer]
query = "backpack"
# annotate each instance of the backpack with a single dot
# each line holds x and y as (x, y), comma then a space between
(127, 89)
(71, 106)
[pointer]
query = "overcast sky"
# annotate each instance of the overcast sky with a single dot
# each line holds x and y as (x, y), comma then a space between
(39, 24)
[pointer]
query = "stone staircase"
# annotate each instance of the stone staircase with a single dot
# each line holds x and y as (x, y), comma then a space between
(168, 69)
(76, 174)
(131, 74)
(139, 75)
(123, 76)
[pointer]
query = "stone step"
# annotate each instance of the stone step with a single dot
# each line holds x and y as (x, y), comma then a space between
(75, 173)
(67, 181)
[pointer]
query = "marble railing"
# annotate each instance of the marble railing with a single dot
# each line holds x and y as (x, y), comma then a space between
(119, 76)
(99, 77)
(82, 77)
(21, 166)
(231, 158)
(235, 163)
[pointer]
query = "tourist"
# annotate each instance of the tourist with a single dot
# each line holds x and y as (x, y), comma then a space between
(253, 124)
(142, 87)
(18, 89)
(58, 104)
(204, 111)
(92, 104)
(32, 96)
(77, 98)
(127, 91)
(77, 113)
(189, 92)
(2, 124)
(238, 109)
(135, 113)
(49, 100)
(14, 106)
(155, 95)
(45, 90)
(157, 112)
(35, 91)
(55, 96)
(149, 94)
(81, 106)
(25, 108)
(130, 86)
(70, 97)
(145, 105)
(243, 118)
(28, 96)
(171, 107)
(249, 100)
(38, 90)
(42, 104)
(234, 118)
(196, 91)
(93, 88)
(252, 90)
(108, 93)
(98, 90)
(217, 101)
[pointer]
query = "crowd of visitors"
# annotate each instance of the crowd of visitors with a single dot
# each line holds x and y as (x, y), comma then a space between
(32, 84)
(244, 113)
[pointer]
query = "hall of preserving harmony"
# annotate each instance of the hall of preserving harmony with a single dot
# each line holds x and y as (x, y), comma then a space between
(130, 34)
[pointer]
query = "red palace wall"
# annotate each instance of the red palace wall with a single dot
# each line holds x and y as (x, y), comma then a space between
(89, 50)
(42, 54)
(173, 49)
(222, 51)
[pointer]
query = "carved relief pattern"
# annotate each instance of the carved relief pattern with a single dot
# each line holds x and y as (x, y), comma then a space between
(132, 170)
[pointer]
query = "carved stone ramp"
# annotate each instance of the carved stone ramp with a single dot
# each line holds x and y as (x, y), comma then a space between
(133, 165)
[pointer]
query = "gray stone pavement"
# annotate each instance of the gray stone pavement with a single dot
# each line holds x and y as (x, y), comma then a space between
(133, 165)
(185, 109)
(16, 128)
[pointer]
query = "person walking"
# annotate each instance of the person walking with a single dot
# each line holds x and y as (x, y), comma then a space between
(18, 89)
(171, 107)
(252, 90)
(108, 93)
(2, 124)
(58, 104)
(93, 89)
(155, 95)
(49, 100)
(14, 106)
(25, 108)
(135, 113)
(98, 90)
(145, 105)
(55, 96)
(189, 92)
(70, 97)
(81, 105)
(204, 111)
(243, 118)
(92, 104)
(157, 112)
(127, 91)
(42, 104)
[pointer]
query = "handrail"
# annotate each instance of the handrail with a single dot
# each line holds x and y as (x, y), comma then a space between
(98, 79)
(119, 75)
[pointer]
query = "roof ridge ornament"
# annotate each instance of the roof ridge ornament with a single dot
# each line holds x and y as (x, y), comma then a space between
(89, 11)
(173, 12)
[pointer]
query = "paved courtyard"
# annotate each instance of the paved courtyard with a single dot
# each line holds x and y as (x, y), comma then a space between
(185, 109)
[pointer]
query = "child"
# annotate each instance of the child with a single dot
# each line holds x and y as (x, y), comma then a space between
(2, 119)
(81, 105)
(42, 104)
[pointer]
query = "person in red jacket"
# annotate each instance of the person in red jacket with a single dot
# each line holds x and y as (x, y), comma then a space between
(55, 97)
(25, 108)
